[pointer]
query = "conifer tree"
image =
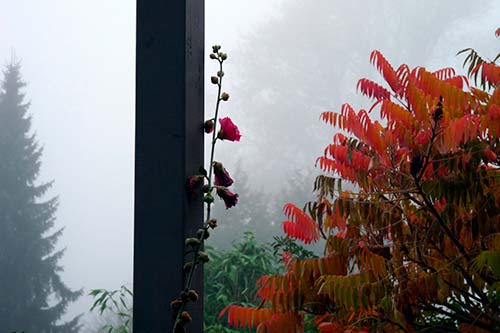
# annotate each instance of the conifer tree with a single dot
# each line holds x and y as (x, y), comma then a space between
(32, 296)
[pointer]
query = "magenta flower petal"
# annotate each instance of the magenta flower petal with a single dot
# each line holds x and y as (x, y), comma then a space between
(222, 177)
(230, 199)
(194, 183)
(228, 131)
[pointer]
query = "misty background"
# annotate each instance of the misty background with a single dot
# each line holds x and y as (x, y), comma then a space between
(288, 61)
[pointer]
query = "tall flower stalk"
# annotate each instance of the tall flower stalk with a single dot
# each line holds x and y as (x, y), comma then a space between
(205, 182)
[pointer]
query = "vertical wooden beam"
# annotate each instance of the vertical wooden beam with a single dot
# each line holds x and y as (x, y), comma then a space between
(168, 148)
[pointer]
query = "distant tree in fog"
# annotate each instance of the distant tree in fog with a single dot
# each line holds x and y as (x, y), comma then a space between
(32, 296)
(306, 59)
(258, 210)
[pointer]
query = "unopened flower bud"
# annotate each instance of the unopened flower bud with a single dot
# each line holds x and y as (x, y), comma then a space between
(208, 198)
(223, 56)
(192, 295)
(213, 56)
(214, 79)
(206, 188)
(176, 304)
(220, 73)
(203, 256)
(216, 48)
(192, 242)
(224, 96)
(187, 266)
(208, 126)
(212, 223)
(184, 296)
(186, 317)
(203, 171)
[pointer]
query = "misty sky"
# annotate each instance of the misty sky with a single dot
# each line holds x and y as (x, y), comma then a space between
(78, 60)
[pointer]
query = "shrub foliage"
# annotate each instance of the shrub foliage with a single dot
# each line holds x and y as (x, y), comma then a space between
(416, 247)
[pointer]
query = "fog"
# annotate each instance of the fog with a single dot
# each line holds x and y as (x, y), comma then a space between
(288, 61)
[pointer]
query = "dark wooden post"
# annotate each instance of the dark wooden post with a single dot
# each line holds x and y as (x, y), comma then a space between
(168, 148)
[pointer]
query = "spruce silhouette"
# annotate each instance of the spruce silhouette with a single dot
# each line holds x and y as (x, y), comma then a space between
(32, 296)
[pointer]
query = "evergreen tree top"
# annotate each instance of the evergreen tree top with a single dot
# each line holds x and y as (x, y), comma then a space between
(33, 296)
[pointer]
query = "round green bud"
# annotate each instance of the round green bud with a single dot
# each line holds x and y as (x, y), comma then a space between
(223, 56)
(224, 96)
(187, 266)
(208, 198)
(220, 73)
(213, 56)
(192, 242)
(214, 80)
(203, 257)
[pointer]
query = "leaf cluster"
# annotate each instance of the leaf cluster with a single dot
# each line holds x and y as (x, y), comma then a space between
(417, 246)
(118, 302)
(231, 275)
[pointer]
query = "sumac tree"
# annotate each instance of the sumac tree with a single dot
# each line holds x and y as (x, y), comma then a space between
(416, 247)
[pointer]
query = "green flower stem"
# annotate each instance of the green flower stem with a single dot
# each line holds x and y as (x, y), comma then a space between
(201, 237)
(210, 172)
(214, 140)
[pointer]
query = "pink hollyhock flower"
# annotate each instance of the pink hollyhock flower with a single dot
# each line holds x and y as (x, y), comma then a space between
(230, 198)
(194, 183)
(222, 177)
(228, 131)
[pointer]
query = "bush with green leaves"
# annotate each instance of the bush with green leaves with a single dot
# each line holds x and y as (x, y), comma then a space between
(230, 277)
(117, 304)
